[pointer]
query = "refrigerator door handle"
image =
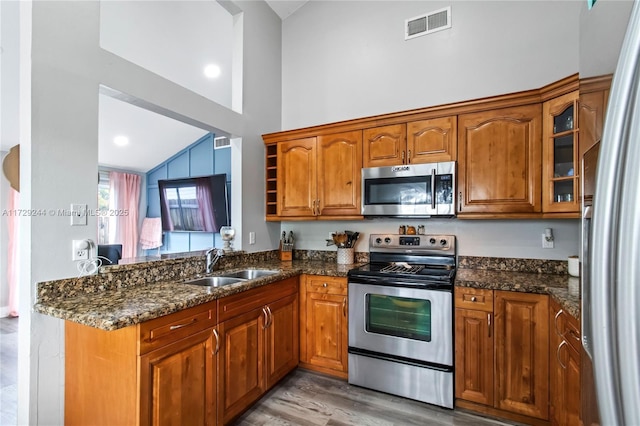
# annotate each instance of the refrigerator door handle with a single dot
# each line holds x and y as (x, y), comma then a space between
(585, 283)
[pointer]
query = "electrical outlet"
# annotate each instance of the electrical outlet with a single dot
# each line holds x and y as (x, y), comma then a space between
(79, 250)
(546, 244)
(252, 237)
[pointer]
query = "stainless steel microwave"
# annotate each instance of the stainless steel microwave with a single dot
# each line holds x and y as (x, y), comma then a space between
(409, 190)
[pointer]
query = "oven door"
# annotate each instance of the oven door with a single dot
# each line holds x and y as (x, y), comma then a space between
(409, 190)
(402, 322)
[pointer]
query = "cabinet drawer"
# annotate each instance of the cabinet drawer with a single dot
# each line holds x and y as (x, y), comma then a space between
(474, 298)
(237, 304)
(170, 328)
(329, 285)
(571, 332)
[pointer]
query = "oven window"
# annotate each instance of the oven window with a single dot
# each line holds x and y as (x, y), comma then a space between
(407, 190)
(398, 316)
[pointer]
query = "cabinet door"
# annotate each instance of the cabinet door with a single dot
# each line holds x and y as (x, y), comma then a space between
(339, 174)
(474, 356)
(522, 353)
(296, 182)
(241, 378)
(385, 145)
(499, 153)
(326, 330)
(430, 141)
(177, 383)
(282, 339)
(561, 166)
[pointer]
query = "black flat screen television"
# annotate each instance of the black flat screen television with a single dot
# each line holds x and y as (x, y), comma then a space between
(195, 204)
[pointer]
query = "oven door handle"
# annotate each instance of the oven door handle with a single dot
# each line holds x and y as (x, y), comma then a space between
(395, 282)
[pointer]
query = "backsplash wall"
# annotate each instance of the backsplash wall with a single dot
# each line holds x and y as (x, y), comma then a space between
(485, 238)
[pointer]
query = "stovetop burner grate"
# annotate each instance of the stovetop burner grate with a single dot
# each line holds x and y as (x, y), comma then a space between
(402, 268)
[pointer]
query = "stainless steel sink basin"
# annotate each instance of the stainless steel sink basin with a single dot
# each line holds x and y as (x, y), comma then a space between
(214, 281)
(250, 274)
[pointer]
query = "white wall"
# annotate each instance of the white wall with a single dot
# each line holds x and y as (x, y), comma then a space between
(601, 32)
(60, 158)
(4, 285)
(349, 59)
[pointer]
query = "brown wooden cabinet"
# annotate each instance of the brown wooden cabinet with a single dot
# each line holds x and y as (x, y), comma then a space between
(499, 161)
(324, 324)
(415, 142)
(561, 162)
(151, 373)
(474, 345)
(259, 344)
(564, 374)
(592, 105)
(502, 353)
(319, 177)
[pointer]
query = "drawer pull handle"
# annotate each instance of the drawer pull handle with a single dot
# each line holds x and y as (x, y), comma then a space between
(489, 324)
(564, 367)
(178, 326)
(215, 333)
(270, 317)
(555, 322)
(266, 318)
(474, 299)
(344, 307)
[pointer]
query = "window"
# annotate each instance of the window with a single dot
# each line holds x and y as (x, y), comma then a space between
(103, 205)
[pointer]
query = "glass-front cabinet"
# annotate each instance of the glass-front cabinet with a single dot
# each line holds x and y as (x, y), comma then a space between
(561, 165)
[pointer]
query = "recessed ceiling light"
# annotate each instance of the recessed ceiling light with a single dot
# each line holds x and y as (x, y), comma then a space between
(121, 140)
(212, 71)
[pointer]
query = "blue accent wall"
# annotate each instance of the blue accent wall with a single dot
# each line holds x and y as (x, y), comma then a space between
(198, 159)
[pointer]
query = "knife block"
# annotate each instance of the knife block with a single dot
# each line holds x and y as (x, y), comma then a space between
(286, 252)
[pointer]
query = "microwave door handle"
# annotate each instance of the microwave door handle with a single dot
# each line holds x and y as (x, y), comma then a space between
(433, 189)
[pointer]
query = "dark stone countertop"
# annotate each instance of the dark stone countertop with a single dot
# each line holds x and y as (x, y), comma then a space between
(555, 285)
(112, 309)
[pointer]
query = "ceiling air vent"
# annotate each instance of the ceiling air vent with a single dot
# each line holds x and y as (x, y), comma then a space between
(427, 23)
(221, 142)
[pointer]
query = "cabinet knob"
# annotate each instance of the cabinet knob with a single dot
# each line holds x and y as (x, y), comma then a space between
(324, 284)
(474, 299)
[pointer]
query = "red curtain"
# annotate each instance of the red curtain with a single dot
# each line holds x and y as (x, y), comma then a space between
(123, 203)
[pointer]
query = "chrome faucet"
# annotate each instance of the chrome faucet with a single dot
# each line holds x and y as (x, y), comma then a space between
(213, 256)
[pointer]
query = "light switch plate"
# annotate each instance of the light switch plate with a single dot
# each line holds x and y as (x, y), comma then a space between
(78, 214)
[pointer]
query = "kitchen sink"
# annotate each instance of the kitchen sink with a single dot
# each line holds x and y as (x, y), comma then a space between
(250, 274)
(214, 281)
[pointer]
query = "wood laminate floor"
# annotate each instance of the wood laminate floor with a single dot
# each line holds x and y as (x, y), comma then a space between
(307, 398)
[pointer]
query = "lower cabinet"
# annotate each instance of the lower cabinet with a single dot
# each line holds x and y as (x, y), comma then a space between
(565, 362)
(201, 366)
(502, 353)
(259, 344)
(324, 324)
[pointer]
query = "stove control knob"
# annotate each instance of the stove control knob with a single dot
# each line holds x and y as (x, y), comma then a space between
(432, 241)
(443, 242)
(387, 240)
(378, 240)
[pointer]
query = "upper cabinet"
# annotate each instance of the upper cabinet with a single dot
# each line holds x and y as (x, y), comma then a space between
(518, 154)
(319, 177)
(414, 142)
(499, 157)
(561, 171)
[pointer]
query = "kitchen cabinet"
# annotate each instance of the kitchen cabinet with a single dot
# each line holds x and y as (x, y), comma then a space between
(258, 344)
(421, 141)
(158, 372)
(592, 105)
(561, 162)
(319, 177)
(324, 324)
(499, 162)
(564, 377)
(502, 353)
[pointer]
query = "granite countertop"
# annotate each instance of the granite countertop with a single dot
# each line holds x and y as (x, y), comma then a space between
(555, 285)
(116, 308)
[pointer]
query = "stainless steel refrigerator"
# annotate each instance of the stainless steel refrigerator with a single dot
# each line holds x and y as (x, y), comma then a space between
(611, 244)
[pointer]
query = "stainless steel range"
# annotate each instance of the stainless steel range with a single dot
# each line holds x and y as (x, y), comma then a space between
(401, 315)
